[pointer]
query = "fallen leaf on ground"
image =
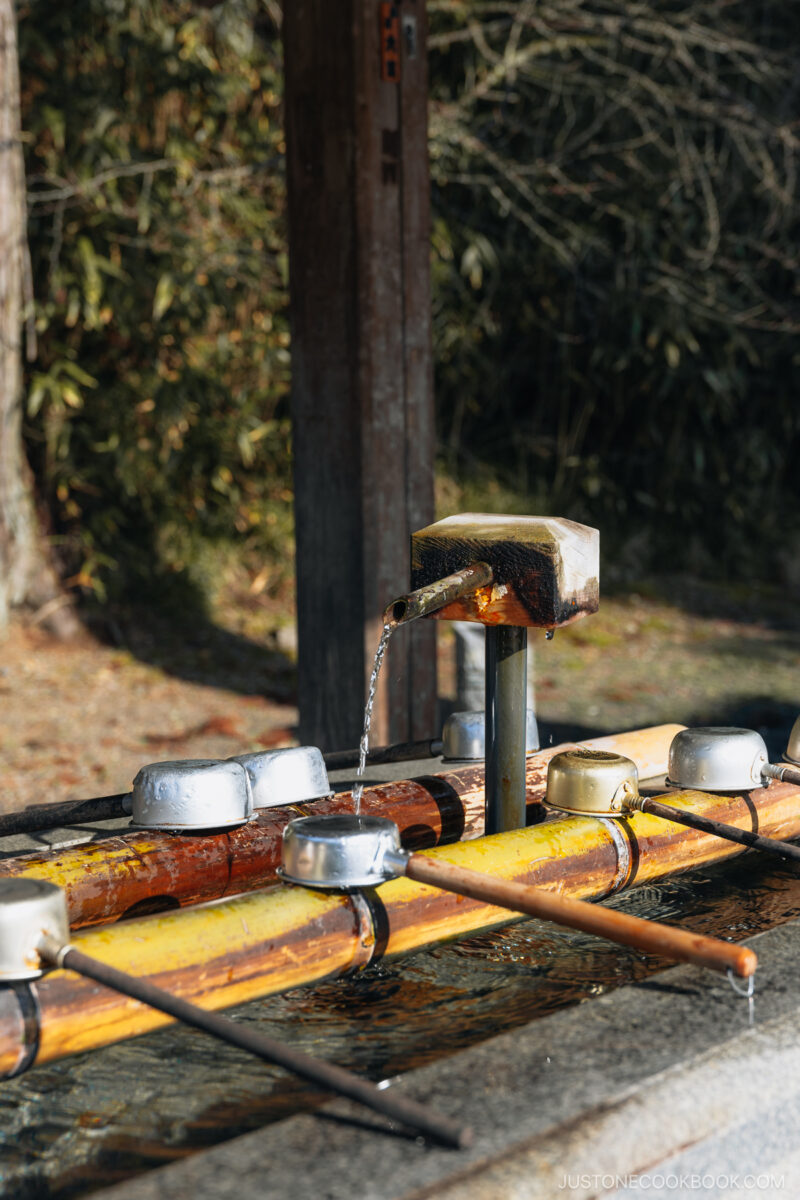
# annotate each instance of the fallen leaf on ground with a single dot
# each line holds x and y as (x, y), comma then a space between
(223, 726)
(275, 737)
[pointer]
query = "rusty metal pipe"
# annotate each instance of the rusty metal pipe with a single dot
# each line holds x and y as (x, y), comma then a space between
(267, 942)
(429, 599)
(134, 873)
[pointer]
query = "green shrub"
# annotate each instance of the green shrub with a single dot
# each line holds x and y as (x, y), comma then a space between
(616, 264)
(157, 415)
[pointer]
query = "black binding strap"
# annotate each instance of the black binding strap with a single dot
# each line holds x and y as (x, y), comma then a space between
(28, 1000)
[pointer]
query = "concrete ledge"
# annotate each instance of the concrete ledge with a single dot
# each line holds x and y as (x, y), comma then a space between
(661, 1078)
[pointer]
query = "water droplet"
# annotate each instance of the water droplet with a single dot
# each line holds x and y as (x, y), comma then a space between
(550, 634)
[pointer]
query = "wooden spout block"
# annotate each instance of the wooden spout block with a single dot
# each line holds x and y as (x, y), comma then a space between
(546, 569)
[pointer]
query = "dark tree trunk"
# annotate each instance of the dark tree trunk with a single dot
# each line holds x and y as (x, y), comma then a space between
(26, 574)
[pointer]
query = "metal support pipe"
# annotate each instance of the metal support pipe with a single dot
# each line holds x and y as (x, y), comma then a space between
(506, 710)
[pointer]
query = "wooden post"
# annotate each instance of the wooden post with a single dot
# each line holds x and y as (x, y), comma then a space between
(362, 392)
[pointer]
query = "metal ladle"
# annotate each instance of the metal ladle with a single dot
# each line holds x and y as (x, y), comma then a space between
(349, 852)
(192, 795)
(792, 754)
(720, 758)
(597, 783)
(34, 934)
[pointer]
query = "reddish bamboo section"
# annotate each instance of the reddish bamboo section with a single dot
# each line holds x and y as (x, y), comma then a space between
(135, 873)
(266, 942)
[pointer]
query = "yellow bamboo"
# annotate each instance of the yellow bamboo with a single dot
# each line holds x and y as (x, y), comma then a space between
(266, 942)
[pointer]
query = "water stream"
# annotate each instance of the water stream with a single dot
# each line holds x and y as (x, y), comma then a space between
(358, 789)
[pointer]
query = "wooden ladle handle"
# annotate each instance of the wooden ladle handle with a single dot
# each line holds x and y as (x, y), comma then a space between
(650, 936)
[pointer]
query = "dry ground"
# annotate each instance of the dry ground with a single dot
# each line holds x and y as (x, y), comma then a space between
(79, 718)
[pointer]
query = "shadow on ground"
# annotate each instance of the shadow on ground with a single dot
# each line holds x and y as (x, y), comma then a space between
(771, 718)
(767, 605)
(194, 648)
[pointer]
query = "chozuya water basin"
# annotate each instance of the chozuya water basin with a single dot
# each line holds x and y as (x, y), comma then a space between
(282, 938)
(97, 1118)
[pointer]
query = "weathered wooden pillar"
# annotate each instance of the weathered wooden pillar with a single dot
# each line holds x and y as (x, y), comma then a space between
(362, 391)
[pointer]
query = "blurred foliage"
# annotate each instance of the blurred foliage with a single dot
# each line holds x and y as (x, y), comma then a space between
(157, 413)
(615, 276)
(616, 265)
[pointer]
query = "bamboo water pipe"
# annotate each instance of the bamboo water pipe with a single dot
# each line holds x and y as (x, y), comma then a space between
(262, 943)
(355, 852)
(133, 873)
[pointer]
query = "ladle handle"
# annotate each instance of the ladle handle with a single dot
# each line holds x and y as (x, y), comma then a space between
(731, 833)
(67, 813)
(650, 936)
(785, 773)
(324, 1074)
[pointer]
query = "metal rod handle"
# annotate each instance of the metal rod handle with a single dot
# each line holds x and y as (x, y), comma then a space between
(70, 812)
(731, 833)
(784, 773)
(337, 760)
(324, 1074)
(649, 936)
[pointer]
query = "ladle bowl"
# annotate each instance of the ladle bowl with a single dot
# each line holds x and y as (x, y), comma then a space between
(192, 795)
(717, 759)
(593, 783)
(464, 735)
(341, 851)
(292, 775)
(792, 754)
(28, 908)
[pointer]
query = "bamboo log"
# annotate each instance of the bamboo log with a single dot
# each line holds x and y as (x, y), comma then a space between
(136, 873)
(262, 943)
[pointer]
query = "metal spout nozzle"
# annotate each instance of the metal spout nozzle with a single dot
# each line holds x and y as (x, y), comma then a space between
(433, 596)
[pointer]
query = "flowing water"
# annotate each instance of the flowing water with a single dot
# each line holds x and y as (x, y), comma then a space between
(358, 789)
(71, 1127)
